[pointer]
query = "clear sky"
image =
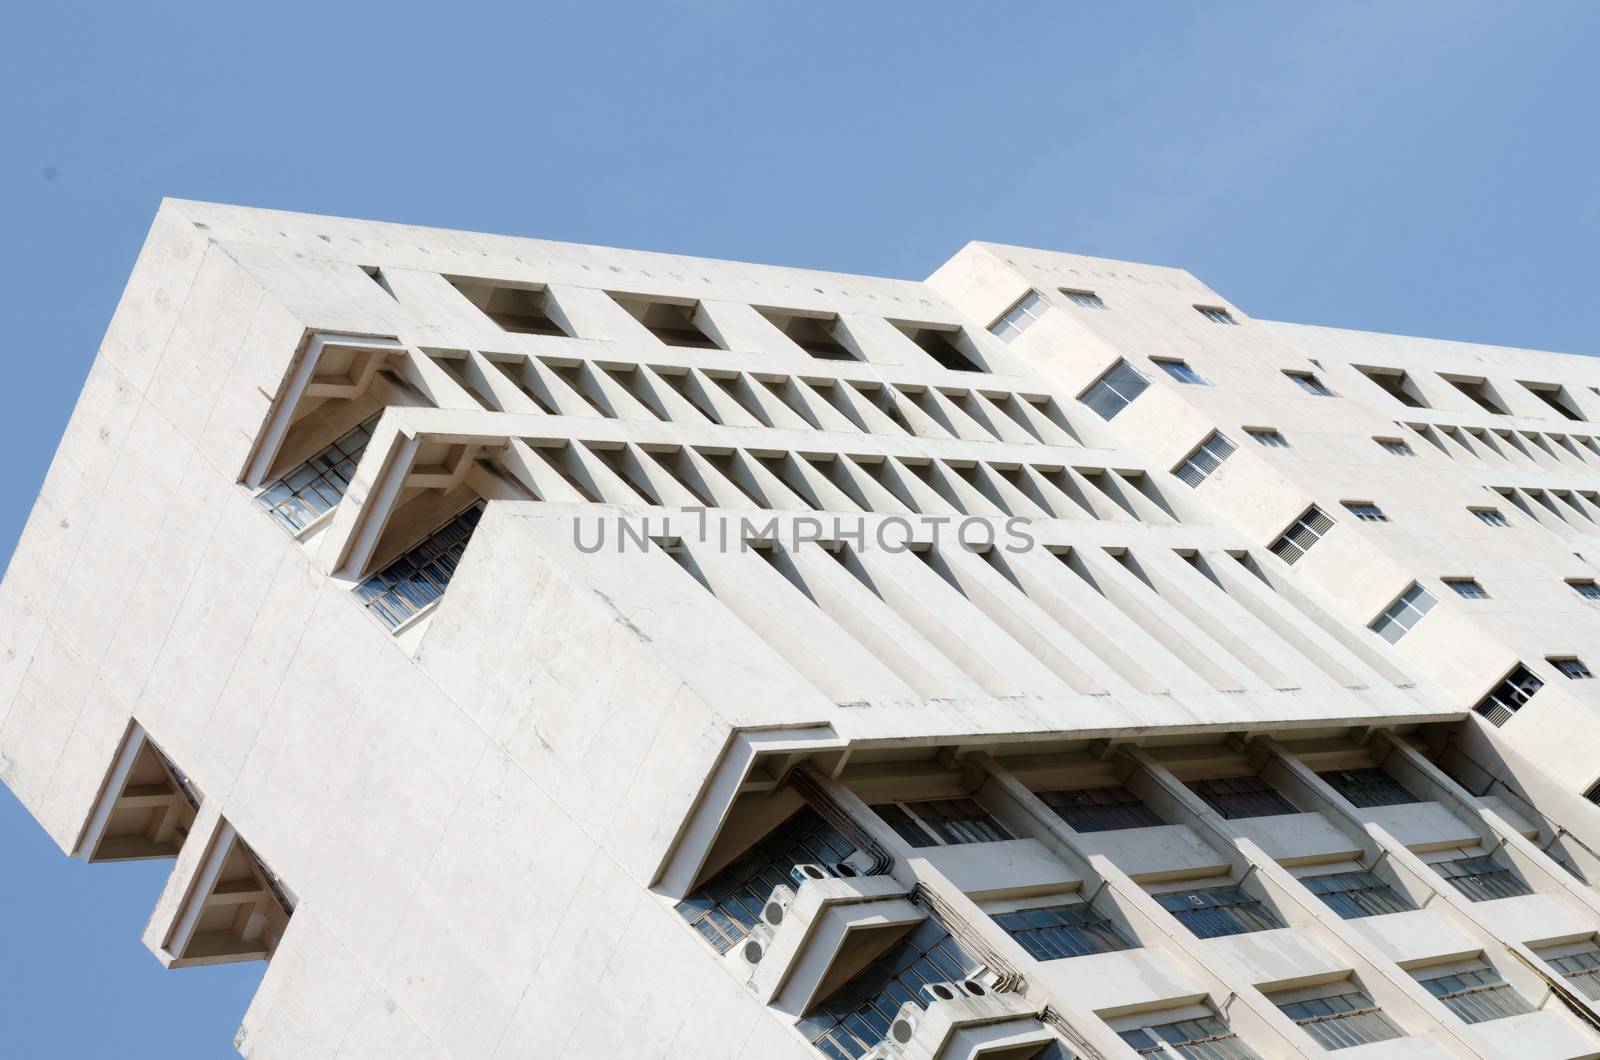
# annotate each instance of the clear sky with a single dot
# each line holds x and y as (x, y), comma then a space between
(1417, 167)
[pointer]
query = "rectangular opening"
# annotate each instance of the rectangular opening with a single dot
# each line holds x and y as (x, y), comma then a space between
(816, 333)
(945, 343)
(675, 323)
(1396, 383)
(523, 310)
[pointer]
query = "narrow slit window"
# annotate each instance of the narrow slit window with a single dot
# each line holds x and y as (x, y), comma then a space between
(1467, 588)
(1354, 895)
(1310, 383)
(1218, 912)
(941, 822)
(1100, 809)
(1571, 667)
(1062, 931)
(1268, 437)
(1215, 314)
(1396, 446)
(1181, 371)
(1366, 511)
(1491, 517)
(1236, 798)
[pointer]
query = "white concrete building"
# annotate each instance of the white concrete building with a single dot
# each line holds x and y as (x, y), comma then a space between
(536, 650)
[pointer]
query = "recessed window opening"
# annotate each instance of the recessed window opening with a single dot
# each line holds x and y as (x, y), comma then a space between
(1570, 667)
(674, 323)
(1087, 299)
(1240, 797)
(305, 494)
(1181, 371)
(1301, 535)
(941, 822)
(1268, 437)
(1310, 383)
(1114, 390)
(412, 582)
(1019, 317)
(1396, 383)
(1216, 314)
(1205, 459)
(1509, 696)
(1404, 613)
(523, 310)
(817, 334)
(943, 344)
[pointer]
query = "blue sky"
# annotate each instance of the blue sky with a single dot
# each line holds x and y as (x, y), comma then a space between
(1420, 167)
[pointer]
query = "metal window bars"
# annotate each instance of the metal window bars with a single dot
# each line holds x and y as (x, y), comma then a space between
(399, 591)
(1478, 995)
(1062, 931)
(1369, 787)
(1354, 895)
(1301, 535)
(304, 494)
(1206, 458)
(1482, 878)
(1342, 1021)
(1218, 912)
(1239, 797)
(1507, 697)
(1100, 809)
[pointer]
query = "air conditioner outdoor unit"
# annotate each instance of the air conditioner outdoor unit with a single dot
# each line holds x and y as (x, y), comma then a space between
(949, 991)
(855, 865)
(755, 945)
(903, 1027)
(776, 905)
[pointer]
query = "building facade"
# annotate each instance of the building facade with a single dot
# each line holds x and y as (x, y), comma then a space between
(538, 650)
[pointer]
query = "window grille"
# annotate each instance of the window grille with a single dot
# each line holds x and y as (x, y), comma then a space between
(1219, 911)
(1113, 392)
(1586, 588)
(1100, 809)
(1482, 879)
(1582, 970)
(1404, 613)
(1396, 446)
(1216, 314)
(300, 497)
(1366, 512)
(1239, 797)
(403, 588)
(941, 822)
(1206, 458)
(1207, 1038)
(1342, 1021)
(1019, 317)
(1507, 697)
(727, 906)
(1305, 532)
(1478, 995)
(1491, 517)
(1369, 787)
(1357, 894)
(1062, 931)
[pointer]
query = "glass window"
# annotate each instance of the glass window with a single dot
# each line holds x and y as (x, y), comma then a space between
(1491, 517)
(1181, 371)
(1482, 878)
(1269, 438)
(857, 1016)
(941, 822)
(1467, 588)
(1207, 1038)
(418, 578)
(1586, 588)
(1572, 668)
(1087, 299)
(1309, 382)
(1216, 314)
(301, 496)
(1062, 931)
(1369, 787)
(726, 907)
(1240, 797)
(1343, 1020)
(1581, 968)
(1305, 532)
(1357, 894)
(1366, 511)
(1396, 446)
(1199, 465)
(1404, 613)
(1016, 320)
(1219, 911)
(1477, 995)
(1113, 392)
(1507, 697)
(1100, 809)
